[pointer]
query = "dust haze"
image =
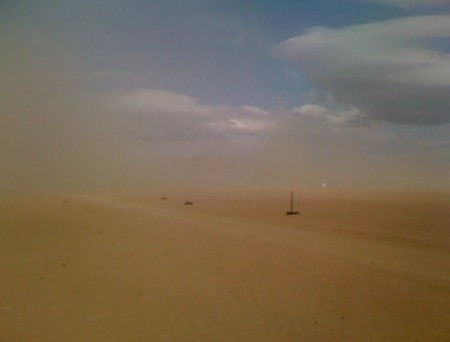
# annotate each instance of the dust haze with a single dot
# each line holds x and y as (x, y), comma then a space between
(59, 133)
(77, 117)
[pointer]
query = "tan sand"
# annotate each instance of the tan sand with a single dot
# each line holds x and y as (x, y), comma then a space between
(351, 267)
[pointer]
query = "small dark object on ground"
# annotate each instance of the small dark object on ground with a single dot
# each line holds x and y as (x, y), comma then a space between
(292, 213)
(188, 203)
(163, 198)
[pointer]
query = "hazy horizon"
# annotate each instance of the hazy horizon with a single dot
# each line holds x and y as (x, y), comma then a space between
(203, 94)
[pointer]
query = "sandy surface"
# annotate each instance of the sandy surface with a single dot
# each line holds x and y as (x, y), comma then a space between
(370, 267)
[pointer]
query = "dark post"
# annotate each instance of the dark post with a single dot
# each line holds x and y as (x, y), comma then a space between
(292, 200)
(291, 209)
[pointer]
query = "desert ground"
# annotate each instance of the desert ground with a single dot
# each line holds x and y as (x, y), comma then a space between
(231, 267)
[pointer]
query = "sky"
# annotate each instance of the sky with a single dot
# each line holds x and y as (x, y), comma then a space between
(165, 95)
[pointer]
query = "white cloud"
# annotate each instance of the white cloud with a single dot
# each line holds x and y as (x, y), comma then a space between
(160, 101)
(327, 115)
(170, 115)
(242, 125)
(384, 69)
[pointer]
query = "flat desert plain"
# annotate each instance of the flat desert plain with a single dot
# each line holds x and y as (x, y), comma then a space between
(350, 267)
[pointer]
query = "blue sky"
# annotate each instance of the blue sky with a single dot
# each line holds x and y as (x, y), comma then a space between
(355, 89)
